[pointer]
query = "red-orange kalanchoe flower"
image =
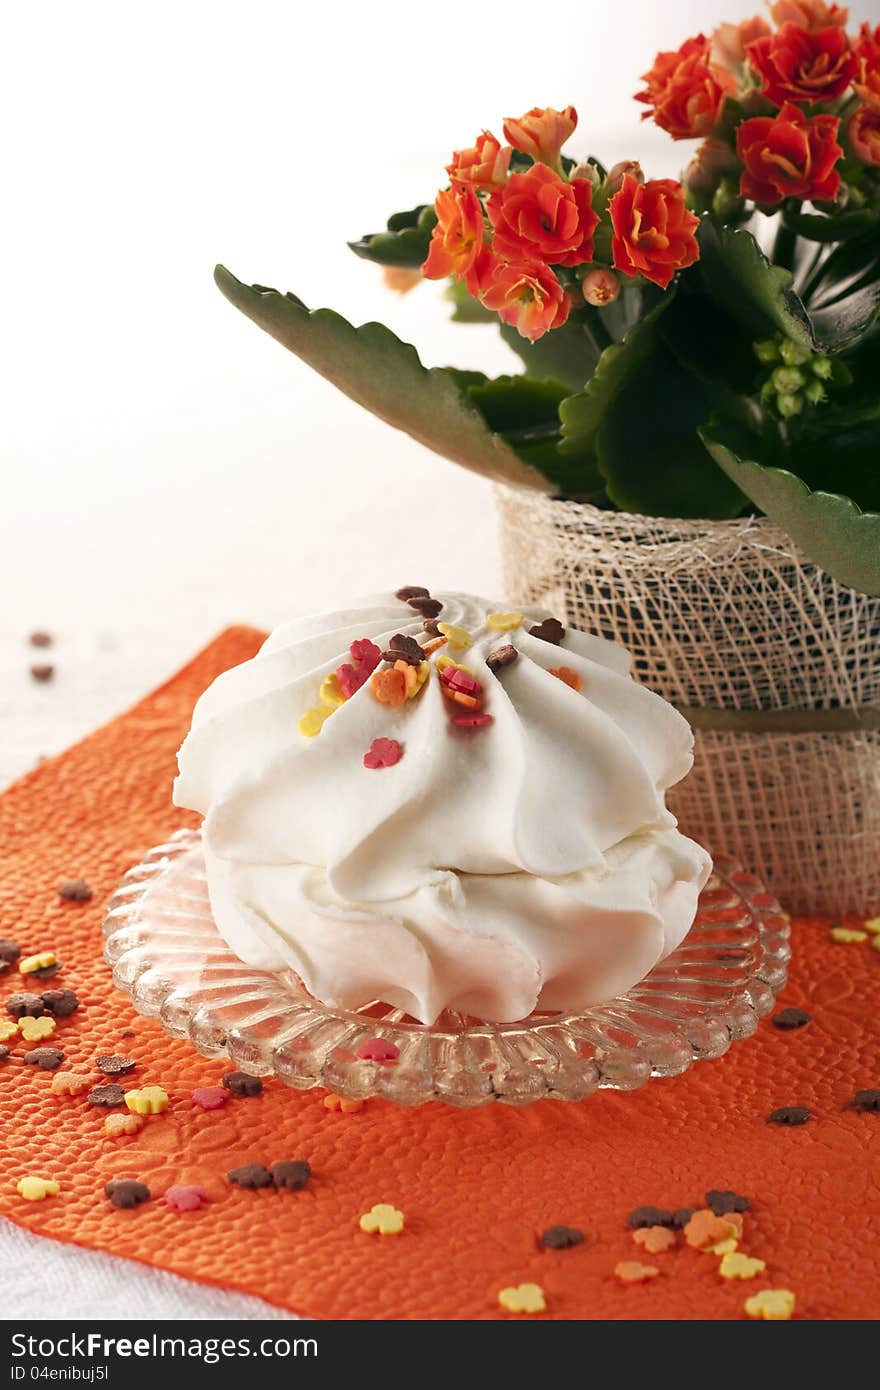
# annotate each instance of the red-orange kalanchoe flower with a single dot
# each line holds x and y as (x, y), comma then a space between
(537, 216)
(527, 296)
(484, 165)
(794, 65)
(809, 14)
(727, 46)
(790, 155)
(458, 235)
(863, 131)
(867, 78)
(686, 96)
(653, 232)
(541, 133)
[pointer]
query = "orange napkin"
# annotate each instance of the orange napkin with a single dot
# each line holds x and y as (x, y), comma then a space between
(476, 1187)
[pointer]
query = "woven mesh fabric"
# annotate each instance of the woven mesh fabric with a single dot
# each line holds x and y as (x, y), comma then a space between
(724, 615)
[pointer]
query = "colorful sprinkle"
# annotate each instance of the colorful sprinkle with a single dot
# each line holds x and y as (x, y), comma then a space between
(7, 1030)
(185, 1198)
(377, 1050)
(9, 951)
(522, 1298)
(48, 1058)
(472, 721)
(789, 1115)
(787, 1019)
(428, 607)
(291, 1175)
(654, 1239)
(250, 1175)
(773, 1305)
(313, 721)
(106, 1095)
(365, 657)
(149, 1100)
(125, 1192)
(41, 961)
(867, 1100)
(444, 662)
(412, 591)
(501, 657)
(342, 1104)
(724, 1201)
(456, 678)
(19, 1005)
(389, 685)
(117, 1125)
(872, 925)
(705, 1229)
(458, 636)
(60, 1002)
(36, 1189)
(434, 646)
(363, 652)
(722, 1247)
(69, 1083)
(114, 1065)
(561, 1237)
(35, 1029)
(404, 648)
(843, 935)
(459, 697)
(329, 692)
(241, 1083)
(550, 630)
(383, 752)
(383, 1220)
(504, 622)
(74, 890)
(567, 676)
(650, 1216)
(739, 1266)
(210, 1097)
(631, 1272)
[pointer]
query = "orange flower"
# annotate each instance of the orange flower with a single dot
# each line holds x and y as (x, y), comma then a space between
(541, 133)
(864, 133)
(527, 296)
(400, 278)
(790, 155)
(653, 232)
(809, 14)
(795, 65)
(867, 80)
(537, 216)
(685, 94)
(484, 165)
(458, 236)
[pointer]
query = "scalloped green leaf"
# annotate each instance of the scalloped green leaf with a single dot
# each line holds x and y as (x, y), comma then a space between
(524, 411)
(740, 280)
(830, 528)
(373, 367)
(406, 241)
(838, 226)
(568, 354)
(842, 322)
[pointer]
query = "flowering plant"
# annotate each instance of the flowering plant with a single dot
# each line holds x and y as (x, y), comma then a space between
(701, 348)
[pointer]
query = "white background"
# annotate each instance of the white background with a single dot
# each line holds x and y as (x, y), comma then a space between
(166, 468)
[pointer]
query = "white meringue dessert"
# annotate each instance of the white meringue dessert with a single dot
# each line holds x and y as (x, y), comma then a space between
(448, 828)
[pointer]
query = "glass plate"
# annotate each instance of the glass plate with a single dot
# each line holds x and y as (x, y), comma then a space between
(166, 952)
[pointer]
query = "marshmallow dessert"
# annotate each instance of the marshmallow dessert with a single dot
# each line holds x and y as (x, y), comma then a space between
(440, 804)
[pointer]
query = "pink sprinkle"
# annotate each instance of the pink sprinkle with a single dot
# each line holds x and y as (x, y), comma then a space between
(472, 721)
(365, 653)
(210, 1097)
(377, 1050)
(185, 1198)
(351, 678)
(460, 680)
(383, 752)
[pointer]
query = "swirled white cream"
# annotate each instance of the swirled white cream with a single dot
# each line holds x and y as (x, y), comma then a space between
(529, 863)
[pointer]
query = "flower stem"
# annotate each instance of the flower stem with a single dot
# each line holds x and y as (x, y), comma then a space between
(784, 245)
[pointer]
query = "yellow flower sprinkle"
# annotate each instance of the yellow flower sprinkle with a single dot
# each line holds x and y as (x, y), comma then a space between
(846, 935)
(774, 1305)
(41, 961)
(504, 622)
(444, 661)
(382, 1218)
(739, 1266)
(33, 1029)
(329, 693)
(7, 1030)
(150, 1100)
(872, 925)
(35, 1189)
(522, 1298)
(312, 722)
(456, 636)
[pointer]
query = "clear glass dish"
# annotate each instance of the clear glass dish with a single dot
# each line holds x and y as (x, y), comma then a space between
(166, 952)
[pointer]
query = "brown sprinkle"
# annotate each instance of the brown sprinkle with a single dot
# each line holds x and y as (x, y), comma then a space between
(292, 1174)
(60, 1002)
(682, 1216)
(789, 1115)
(724, 1202)
(428, 607)
(251, 1175)
(24, 1005)
(9, 950)
(46, 972)
(40, 639)
(502, 656)
(125, 1192)
(788, 1019)
(649, 1216)
(43, 672)
(550, 630)
(4, 1052)
(115, 1065)
(412, 591)
(128, 1033)
(561, 1237)
(404, 648)
(46, 1057)
(867, 1100)
(74, 890)
(240, 1083)
(106, 1095)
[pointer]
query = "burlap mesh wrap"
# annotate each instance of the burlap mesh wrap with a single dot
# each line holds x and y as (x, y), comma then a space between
(726, 615)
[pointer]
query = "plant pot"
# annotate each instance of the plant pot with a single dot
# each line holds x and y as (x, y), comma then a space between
(776, 665)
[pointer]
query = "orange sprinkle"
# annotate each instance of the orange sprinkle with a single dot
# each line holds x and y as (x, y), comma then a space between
(631, 1272)
(435, 645)
(705, 1229)
(389, 686)
(459, 697)
(654, 1239)
(567, 676)
(341, 1103)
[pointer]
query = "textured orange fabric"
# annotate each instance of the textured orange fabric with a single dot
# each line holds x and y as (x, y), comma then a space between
(476, 1187)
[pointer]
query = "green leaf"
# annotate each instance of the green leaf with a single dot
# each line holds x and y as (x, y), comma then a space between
(840, 323)
(840, 226)
(406, 241)
(737, 277)
(830, 528)
(844, 268)
(466, 309)
(648, 448)
(385, 375)
(568, 354)
(525, 413)
(708, 343)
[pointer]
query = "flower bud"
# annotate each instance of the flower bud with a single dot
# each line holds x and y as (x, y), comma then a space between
(822, 367)
(713, 159)
(814, 392)
(792, 354)
(618, 172)
(788, 379)
(587, 171)
(400, 278)
(767, 350)
(600, 287)
(789, 405)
